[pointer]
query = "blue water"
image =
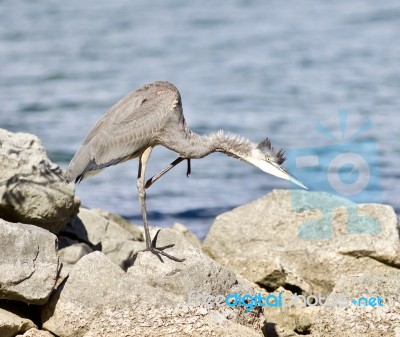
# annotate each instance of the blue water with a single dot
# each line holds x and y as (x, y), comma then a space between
(258, 68)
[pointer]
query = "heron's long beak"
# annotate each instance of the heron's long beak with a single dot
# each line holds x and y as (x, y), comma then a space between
(277, 171)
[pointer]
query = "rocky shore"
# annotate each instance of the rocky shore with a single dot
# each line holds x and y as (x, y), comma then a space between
(67, 271)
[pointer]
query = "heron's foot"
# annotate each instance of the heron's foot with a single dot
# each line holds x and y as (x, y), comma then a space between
(157, 251)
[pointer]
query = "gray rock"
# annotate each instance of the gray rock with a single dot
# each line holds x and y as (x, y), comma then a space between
(94, 227)
(363, 320)
(197, 273)
(11, 324)
(72, 254)
(304, 240)
(365, 317)
(28, 262)
(31, 187)
(113, 303)
(135, 230)
(385, 285)
(186, 233)
(121, 252)
(108, 233)
(75, 303)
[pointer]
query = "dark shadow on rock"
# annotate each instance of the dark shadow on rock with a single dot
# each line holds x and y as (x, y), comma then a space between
(24, 310)
(48, 310)
(44, 181)
(269, 330)
(43, 170)
(76, 230)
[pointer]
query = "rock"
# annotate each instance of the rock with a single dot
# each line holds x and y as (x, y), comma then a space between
(28, 262)
(304, 241)
(385, 285)
(36, 333)
(187, 233)
(292, 321)
(32, 190)
(365, 317)
(118, 240)
(136, 231)
(197, 273)
(95, 228)
(72, 254)
(363, 320)
(11, 324)
(288, 320)
(113, 303)
(121, 252)
(75, 303)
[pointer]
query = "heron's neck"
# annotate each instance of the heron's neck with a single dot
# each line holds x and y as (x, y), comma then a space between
(192, 145)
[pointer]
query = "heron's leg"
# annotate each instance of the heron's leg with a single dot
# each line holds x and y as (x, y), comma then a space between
(154, 178)
(150, 244)
(142, 192)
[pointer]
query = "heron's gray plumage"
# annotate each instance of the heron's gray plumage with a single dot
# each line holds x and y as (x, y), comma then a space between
(132, 124)
(149, 116)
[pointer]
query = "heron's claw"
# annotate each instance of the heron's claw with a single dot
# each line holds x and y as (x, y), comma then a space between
(157, 251)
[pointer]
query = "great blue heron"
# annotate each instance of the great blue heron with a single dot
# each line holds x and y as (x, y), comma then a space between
(150, 116)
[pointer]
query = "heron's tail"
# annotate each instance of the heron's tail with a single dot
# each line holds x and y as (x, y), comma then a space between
(79, 165)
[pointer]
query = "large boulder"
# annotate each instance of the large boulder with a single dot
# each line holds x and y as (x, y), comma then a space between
(32, 189)
(151, 298)
(305, 241)
(28, 262)
(360, 305)
(197, 273)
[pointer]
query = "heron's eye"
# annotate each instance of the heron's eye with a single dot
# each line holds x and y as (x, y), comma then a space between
(267, 158)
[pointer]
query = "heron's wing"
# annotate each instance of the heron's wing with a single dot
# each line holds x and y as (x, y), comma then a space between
(129, 127)
(125, 136)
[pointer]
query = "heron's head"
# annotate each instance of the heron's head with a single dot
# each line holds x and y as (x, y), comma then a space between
(266, 158)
